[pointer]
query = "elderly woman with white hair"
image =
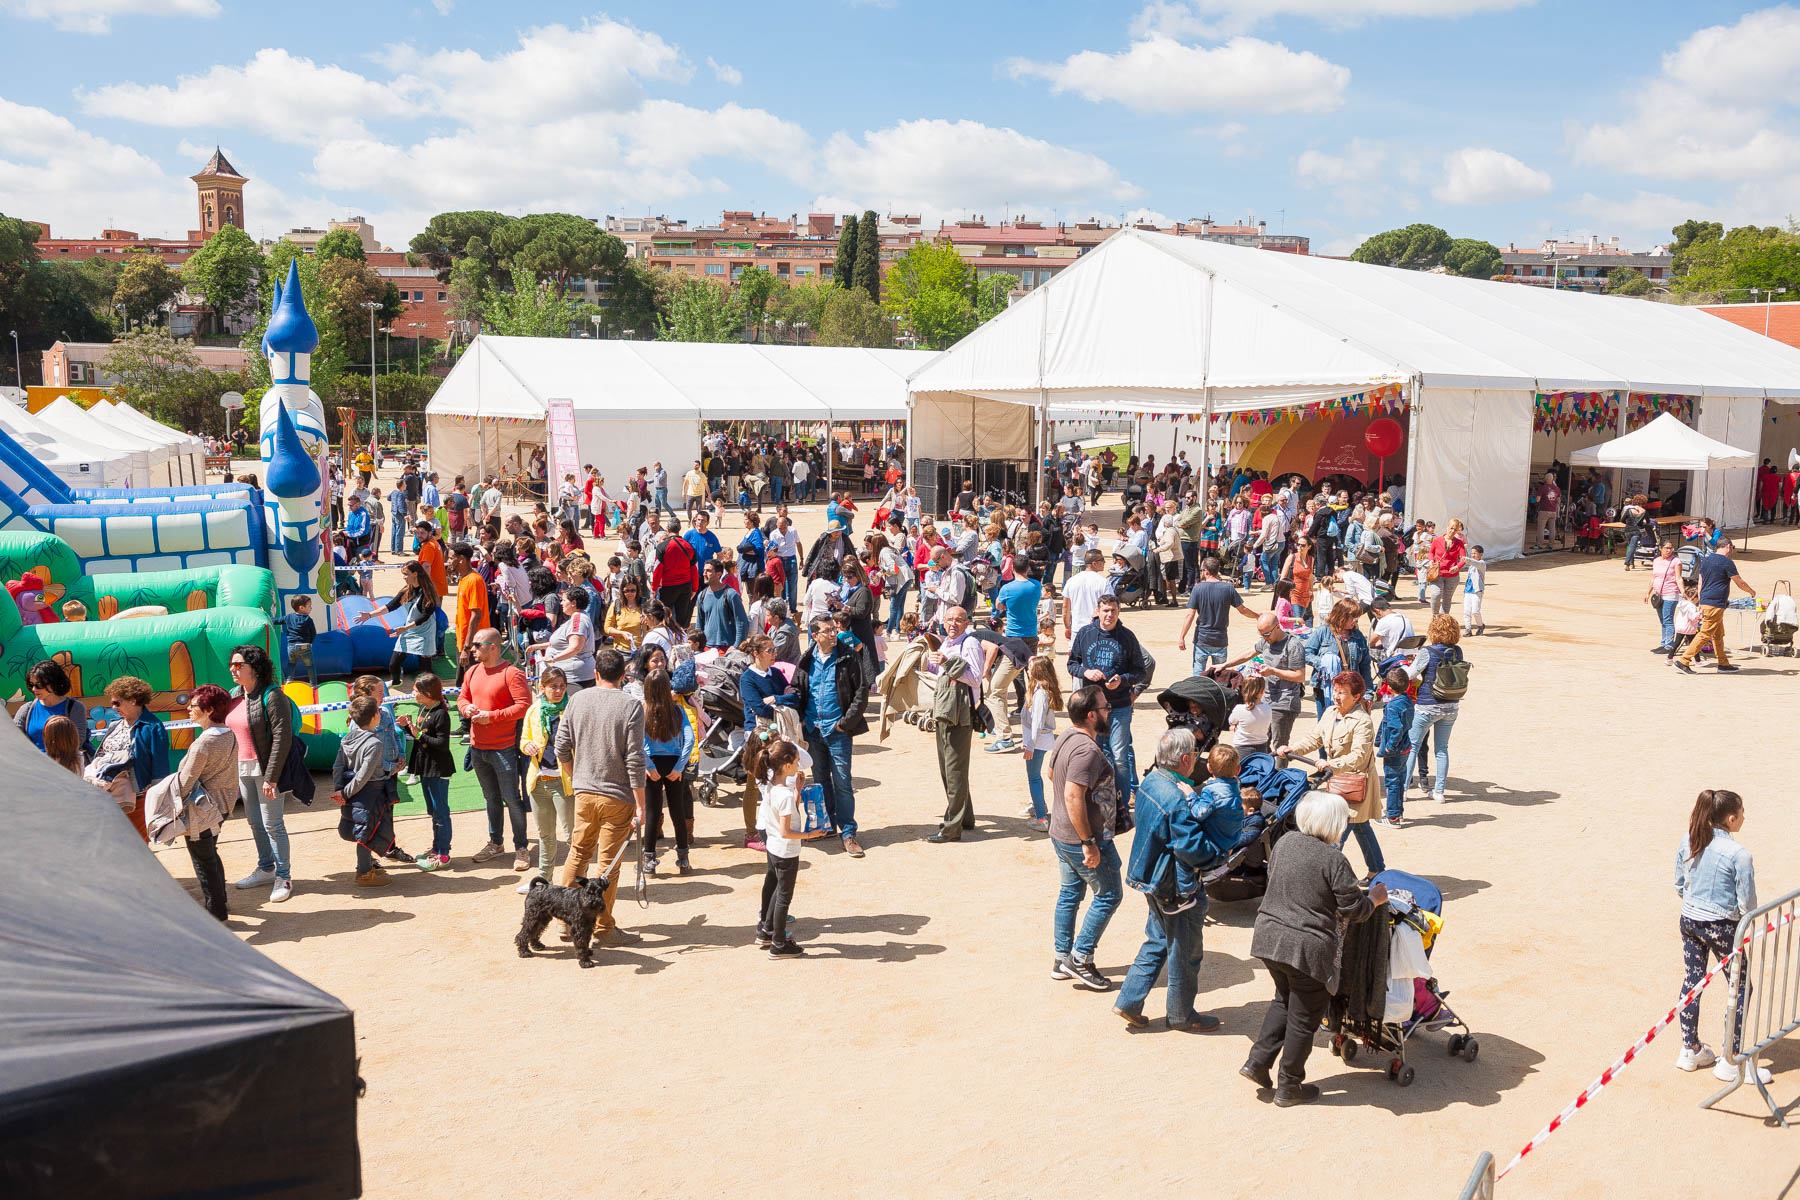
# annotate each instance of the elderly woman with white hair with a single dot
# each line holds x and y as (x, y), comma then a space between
(1312, 895)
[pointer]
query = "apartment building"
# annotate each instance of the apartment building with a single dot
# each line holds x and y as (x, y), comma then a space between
(1582, 266)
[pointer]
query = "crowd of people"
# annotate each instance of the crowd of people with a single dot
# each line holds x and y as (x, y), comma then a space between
(617, 660)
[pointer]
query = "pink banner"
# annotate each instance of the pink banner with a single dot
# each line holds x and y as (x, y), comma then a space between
(564, 456)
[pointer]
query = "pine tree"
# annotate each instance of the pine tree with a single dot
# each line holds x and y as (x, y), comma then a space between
(846, 253)
(868, 256)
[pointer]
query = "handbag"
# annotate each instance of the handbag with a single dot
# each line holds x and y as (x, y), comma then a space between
(1351, 785)
(814, 814)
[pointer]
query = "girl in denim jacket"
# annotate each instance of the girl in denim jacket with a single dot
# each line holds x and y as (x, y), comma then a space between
(1716, 880)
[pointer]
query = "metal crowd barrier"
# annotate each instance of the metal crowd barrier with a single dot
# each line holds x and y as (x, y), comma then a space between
(1769, 1007)
(1481, 1180)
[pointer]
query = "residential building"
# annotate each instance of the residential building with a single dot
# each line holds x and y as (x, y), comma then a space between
(218, 200)
(308, 238)
(1035, 252)
(1582, 266)
(425, 302)
(83, 364)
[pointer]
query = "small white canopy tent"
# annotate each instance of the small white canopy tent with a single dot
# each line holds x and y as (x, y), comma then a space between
(189, 451)
(636, 403)
(1155, 323)
(149, 465)
(1665, 444)
(75, 462)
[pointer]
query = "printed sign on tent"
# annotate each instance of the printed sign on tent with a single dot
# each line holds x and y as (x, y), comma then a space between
(559, 415)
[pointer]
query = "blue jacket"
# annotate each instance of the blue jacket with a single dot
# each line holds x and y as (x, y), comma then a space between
(721, 615)
(149, 751)
(1721, 884)
(761, 693)
(1171, 842)
(677, 747)
(1321, 649)
(750, 550)
(1394, 735)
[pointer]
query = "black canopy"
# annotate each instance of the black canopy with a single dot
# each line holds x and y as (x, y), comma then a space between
(145, 1050)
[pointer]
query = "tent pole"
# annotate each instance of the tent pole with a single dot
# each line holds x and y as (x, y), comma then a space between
(1206, 395)
(1410, 510)
(909, 440)
(1043, 446)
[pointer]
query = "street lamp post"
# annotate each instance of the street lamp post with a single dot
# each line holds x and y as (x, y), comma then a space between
(799, 328)
(1768, 299)
(18, 371)
(417, 369)
(599, 320)
(374, 404)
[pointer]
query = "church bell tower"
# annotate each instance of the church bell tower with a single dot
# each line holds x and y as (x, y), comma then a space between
(221, 195)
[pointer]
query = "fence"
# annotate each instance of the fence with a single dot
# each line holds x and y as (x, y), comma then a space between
(1481, 1180)
(1768, 1009)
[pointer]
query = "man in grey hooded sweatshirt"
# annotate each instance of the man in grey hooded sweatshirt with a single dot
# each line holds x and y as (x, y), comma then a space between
(360, 782)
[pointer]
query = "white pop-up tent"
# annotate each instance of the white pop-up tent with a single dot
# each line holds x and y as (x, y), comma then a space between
(636, 403)
(1665, 444)
(75, 462)
(189, 451)
(1155, 323)
(148, 464)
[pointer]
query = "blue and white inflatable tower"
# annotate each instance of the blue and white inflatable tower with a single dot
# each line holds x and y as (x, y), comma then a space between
(294, 445)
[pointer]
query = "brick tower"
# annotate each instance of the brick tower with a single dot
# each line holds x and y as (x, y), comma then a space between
(221, 195)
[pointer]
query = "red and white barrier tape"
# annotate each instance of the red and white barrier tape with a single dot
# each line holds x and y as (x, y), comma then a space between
(1611, 1073)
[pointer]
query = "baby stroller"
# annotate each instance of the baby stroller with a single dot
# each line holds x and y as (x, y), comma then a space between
(1400, 937)
(1199, 703)
(1781, 621)
(1128, 577)
(722, 746)
(1243, 874)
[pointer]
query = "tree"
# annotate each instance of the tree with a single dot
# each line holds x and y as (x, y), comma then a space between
(844, 271)
(453, 235)
(555, 247)
(146, 364)
(639, 297)
(1416, 248)
(224, 272)
(993, 294)
(699, 311)
(340, 243)
(804, 302)
(1749, 260)
(931, 288)
(72, 299)
(531, 308)
(146, 287)
(470, 280)
(849, 317)
(868, 256)
(756, 291)
(18, 254)
(1690, 232)
(1473, 258)
(345, 285)
(1627, 281)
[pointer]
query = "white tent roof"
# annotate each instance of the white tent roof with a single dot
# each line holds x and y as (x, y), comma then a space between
(185, 446)
(64, 415)
(1149, 322)
(514, 377)
(1665, 444)
(65, 454)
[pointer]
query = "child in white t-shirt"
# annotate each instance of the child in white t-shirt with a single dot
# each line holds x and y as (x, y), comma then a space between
(784, 766)
(1474, 588)
(1249, 720)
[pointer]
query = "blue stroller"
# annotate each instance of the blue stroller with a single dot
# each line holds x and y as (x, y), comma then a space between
(1244, 873)
(1415, 903)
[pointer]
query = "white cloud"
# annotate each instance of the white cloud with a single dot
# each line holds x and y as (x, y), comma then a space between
(1148, 216)
(1480, 175)
(1653, 212)
(600, 67)
(1160, 74)
(96, 16)
(725, 73)
(1360, 162)
(1220, 18)
(947, 167)
(52, 171)
(443, 6)
(274, 94)
(1721, 108)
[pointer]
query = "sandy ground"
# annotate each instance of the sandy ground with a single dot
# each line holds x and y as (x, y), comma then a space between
(921, 1048)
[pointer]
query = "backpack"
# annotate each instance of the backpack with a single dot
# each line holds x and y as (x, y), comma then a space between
(1451, 681)
(1331, 528)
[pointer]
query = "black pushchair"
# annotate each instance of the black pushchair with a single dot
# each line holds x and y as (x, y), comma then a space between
(722, 749)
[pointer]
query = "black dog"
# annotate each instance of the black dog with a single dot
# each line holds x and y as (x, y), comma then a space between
(578, 907)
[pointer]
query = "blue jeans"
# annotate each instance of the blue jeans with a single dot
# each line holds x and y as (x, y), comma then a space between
(791, 583)
(497, 771)
(775, 486)
(268, 825)
(897, 607)
(1175, 941)
(1208, 654)
(1393, 779)
(1365, 841)
(437, 803)
(1667, 616)
(1120, 752)
(662, 502)
(831, 768)
(1436, 719)
(1076, 881)
(396, 532)
(1034, 782)
(1271, 565)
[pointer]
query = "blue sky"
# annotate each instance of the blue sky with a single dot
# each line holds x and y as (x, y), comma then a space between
(1501, 119)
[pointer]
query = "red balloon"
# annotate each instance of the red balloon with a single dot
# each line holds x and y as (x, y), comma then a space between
(1383, 437)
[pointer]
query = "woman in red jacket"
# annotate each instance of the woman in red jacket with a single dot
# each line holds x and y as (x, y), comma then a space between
(1448, 554)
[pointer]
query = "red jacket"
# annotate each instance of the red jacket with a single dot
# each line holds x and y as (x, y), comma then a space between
(674, 565)
(1447, 554)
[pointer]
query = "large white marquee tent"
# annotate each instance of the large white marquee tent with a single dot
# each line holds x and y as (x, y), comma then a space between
(188, 463)
(640, 402)
(1151, 323)
(75, 462)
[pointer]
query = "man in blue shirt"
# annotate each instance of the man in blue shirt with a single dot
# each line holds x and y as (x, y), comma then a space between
(721, 611)
(704, 541)
(429, 494)
(1018, 603)
(356, 528)
(1718, 573)
(832, 693)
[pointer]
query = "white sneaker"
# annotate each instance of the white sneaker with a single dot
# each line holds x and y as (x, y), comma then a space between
(281, 891)
(255, 879)
(1726, 1072)
(1694, 1059)
(523, 888)
(1438, 796)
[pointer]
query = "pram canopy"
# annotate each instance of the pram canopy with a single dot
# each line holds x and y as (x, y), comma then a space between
(1199, 703)
(1425, 893)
